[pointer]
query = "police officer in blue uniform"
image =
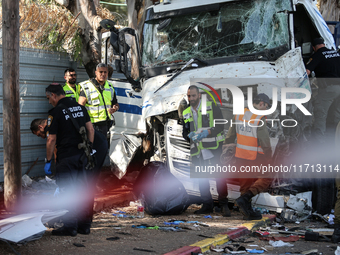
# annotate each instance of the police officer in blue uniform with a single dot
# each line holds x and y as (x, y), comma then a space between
(74, 181)
(326, 65)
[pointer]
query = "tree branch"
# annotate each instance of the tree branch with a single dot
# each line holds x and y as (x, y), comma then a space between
(63, 2)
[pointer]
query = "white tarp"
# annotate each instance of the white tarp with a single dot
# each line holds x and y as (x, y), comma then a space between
(26, 227)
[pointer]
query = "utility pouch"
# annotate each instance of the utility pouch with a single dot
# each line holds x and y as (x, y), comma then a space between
(110, 122)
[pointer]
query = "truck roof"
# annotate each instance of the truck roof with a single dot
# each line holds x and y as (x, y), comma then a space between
(180, 4)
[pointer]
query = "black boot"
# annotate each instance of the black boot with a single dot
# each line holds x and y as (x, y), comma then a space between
(244, 203)
(336, 233)
(206, 209)
(84, 230)
(225, 211)
(64, 231)
(224, 206)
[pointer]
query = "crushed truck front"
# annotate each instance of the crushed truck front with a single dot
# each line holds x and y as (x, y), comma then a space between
(259, 44)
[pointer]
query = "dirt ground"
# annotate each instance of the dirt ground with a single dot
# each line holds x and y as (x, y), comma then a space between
(115, 235)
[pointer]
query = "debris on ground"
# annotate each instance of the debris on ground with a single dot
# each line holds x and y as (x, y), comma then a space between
(337, 251)
(314, 251)
(281, 238)
(78, 245)
(31, 188)
(113, 238)
(26, 181)
(279, 243)
(254, 251)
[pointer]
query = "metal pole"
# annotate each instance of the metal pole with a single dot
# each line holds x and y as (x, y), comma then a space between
(11, 110)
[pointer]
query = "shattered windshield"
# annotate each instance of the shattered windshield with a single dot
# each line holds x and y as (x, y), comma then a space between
(238, 28)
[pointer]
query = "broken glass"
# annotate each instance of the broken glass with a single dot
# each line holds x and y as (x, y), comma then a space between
(238, 28)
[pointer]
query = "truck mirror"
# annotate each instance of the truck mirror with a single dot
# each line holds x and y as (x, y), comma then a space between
(114, 42)
(121, 48)
(124, 48)
(118, 67)
(107, 24)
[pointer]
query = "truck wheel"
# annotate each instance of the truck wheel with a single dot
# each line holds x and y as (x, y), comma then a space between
(323, 196)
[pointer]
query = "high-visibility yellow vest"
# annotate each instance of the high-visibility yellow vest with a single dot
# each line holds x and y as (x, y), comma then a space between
(210, 143)
(247, 145)
(70, 92)
(97, 103)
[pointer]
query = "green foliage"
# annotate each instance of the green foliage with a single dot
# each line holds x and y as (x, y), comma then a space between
(59, 32)
(77, 46)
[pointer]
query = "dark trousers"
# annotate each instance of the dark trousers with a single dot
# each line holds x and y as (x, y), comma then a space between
(204, 186)
(222, 190)
(325, 98)
(101, 147)
(73, 184)
(77, 185)
(101, 127)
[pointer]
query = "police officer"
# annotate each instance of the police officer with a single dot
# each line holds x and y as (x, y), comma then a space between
(326, 65)
(99, 98)
(63, 124)
(70, 87)
(39, 128)
(206, 146)
(252, 148)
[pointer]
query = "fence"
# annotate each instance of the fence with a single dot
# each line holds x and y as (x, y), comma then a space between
(38, 69)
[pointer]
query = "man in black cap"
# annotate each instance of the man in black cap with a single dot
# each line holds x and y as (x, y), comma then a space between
(326, 65)
(252, 149)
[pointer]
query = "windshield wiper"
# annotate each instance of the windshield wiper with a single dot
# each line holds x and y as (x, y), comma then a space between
(181, 70)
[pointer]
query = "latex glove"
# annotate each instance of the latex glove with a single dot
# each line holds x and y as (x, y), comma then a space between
(191, 134)
(198, 137)
(47, 168)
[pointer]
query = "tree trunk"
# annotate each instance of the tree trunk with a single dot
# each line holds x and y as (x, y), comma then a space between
(11, 111)
(136, 17)
(330, 9)
(90, 33)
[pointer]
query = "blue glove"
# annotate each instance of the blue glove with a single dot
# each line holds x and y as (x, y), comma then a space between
(47, 168)
(191, 134)
(198, 137)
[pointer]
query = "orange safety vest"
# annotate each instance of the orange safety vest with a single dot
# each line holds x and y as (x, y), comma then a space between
(247, 145)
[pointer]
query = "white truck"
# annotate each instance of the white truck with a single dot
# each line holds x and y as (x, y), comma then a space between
(259, 44)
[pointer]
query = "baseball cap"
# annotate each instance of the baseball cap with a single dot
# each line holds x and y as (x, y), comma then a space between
(263, 97)
(317, 41)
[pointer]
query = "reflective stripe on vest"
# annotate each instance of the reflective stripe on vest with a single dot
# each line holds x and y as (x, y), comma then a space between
(247, 145)
(70, 92)
(95, 103)
(210, 143)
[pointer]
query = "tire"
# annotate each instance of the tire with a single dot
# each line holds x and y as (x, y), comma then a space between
(323, 196)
